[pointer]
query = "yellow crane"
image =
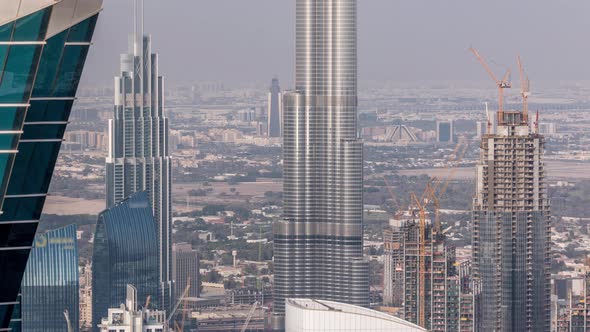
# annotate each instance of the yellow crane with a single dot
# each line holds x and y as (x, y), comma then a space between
(501, 84)
(429, 196)
(525, 90)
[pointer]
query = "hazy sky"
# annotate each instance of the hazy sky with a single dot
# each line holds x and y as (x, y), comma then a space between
(242, 41)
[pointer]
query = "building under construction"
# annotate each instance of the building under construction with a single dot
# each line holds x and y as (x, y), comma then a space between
(511, 220)
(422, 277)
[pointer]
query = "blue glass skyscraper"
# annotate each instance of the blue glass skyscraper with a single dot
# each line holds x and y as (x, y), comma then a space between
(50, 284)
(125, 252)
(43, 47)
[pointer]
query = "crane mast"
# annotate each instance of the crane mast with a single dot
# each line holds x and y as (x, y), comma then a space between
(501, 84)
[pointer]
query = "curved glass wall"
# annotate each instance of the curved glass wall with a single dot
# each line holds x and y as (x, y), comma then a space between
(50, 284)
(125, 252)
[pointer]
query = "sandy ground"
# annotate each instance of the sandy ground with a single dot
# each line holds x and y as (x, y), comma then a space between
(555, 170)
(68, 206)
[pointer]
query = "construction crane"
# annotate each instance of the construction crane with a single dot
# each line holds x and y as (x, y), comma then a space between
(249, 317)
(429, 196)
(393, 199)
(68, 322)
(502, 84)
(525, 90)
(180, 300)
(147, 301)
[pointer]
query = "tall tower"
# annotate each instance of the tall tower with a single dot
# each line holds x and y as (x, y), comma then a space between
(512, 235)
(319, 242)
(139, 158)
(275, 110)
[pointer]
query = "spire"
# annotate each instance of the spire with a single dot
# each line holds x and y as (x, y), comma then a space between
(138, 19)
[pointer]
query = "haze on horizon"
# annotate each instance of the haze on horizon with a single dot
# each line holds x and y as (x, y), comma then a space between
(241, 42)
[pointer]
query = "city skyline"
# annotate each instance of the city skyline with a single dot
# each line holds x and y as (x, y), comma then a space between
(435, 199)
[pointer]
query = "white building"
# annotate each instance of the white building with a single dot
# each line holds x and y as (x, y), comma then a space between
(128, 318)
(303, 315)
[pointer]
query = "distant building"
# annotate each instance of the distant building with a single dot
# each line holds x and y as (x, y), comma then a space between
(275, 110)
(129, 317)
(445, 132)
(512, 229)
(138, 156)
(50, 282)
(44, 44)
(125, 252)
(185, 267)
(86, 297)
(548, 128)
(307, 315)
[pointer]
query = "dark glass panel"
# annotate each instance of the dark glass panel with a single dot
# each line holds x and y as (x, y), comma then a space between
(5, 314)
(12, 265)
(17, 235)
(49, 65)
(22, 208)
(8, 141)
(6, 34)
(70, 70)
(3, 54)
(32, 27)
(33, 168)
(49, 110)
(47, 131)
(11, 118)
(82, 32)
(18, 74)
(6, 159)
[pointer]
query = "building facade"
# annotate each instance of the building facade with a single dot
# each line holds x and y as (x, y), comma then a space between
(424, 280)
(512, 228)
(43, 49)
(318, 246)
(50, 283)
(130, 317)
(125, 252)
(138, 157)
(275, 110)
(445, 132)
(185, 269)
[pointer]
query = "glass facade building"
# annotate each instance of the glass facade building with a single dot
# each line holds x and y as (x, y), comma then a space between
(318, 246)
(125, 252)
(50, 283)
(43, 47)
(139, 158)
(275, 110)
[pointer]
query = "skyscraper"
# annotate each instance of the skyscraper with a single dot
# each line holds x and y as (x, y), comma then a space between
(139, 159)
(445, 132)
(125, 252)
(275, 110)
(512, 234)
(319, 243)
(43, 49)
(50, 283)
(185, 268)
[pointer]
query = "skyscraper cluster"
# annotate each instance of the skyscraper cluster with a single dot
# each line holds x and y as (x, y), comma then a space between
(318, 246)
(423, 278)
